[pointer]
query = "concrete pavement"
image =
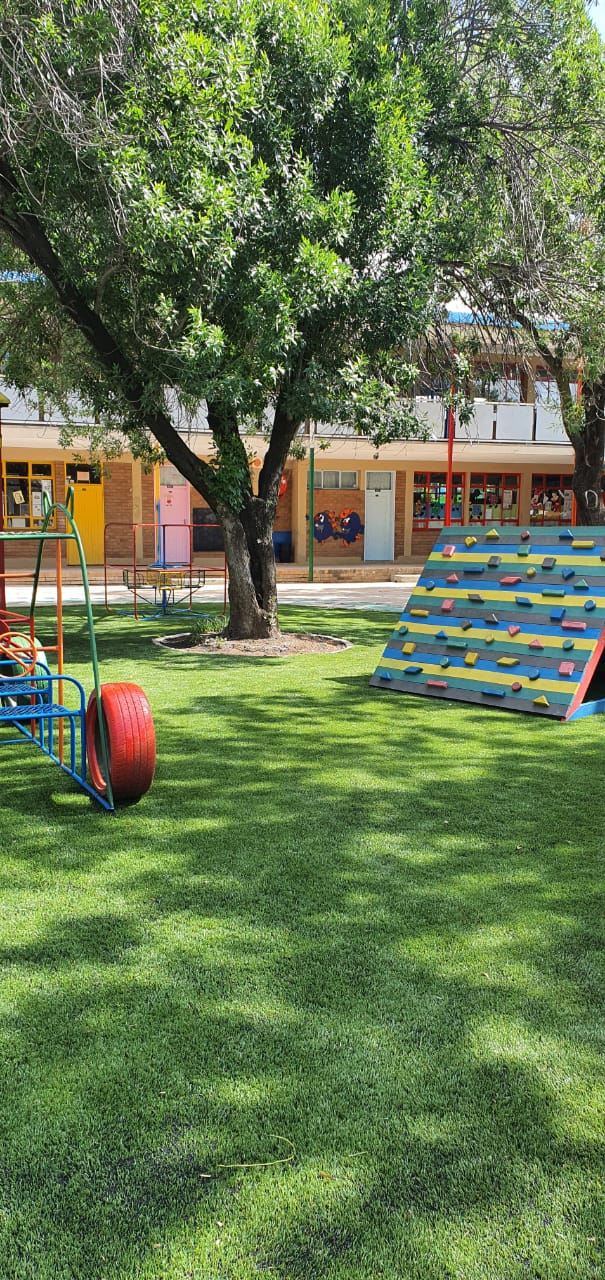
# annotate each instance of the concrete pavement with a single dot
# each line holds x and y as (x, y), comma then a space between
(327, 595)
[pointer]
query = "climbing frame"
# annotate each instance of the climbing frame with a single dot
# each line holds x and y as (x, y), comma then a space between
(505, 617)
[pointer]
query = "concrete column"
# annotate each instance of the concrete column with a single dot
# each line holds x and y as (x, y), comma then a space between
(466, 503)
(524, 497)
(300, 471)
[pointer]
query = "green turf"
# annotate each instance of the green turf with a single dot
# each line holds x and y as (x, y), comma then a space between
(360, 930)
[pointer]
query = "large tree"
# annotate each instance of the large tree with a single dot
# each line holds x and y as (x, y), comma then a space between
(536, 275)
(228, 203)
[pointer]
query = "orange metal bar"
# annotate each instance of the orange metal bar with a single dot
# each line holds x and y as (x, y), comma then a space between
(579, 390)
(59, 573)
(2, 561)
(451, 428)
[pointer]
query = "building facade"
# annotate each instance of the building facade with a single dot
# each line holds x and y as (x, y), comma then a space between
(512, 465)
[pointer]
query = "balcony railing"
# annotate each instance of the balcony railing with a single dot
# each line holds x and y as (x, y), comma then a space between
(506, 423)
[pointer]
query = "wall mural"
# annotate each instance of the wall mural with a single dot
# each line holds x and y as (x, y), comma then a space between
(346, 527)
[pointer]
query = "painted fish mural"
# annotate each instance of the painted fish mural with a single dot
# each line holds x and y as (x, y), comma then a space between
(346, 527)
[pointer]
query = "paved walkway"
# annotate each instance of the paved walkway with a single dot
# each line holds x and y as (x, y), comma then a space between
(328, 595)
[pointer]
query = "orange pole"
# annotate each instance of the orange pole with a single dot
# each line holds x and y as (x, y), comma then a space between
(451, 428)
(2, 564)
(134, 571)
(59, 570)
(579, 386)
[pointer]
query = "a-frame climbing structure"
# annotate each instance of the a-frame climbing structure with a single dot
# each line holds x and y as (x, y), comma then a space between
(506, 617)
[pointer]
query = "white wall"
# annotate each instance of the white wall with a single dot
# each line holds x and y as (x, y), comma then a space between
(549, 426)
(514, 421)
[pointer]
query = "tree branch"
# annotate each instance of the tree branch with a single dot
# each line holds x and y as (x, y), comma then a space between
(27, 234)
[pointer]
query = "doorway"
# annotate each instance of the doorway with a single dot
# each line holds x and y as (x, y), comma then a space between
(89, 512)
(174, 510)
(379, 542)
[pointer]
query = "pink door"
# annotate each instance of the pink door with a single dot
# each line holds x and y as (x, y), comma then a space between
(174, 511)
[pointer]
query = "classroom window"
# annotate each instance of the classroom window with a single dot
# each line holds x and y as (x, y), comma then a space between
(379, 480)
(83, 473)
(551, 496)
(336, 480)
(498, 382)
(25, 484)
(494, 498)
(429, 499)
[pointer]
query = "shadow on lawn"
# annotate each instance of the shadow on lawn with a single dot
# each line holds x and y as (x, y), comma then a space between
(361, 942)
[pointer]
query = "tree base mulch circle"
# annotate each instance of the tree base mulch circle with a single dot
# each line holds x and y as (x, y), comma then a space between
(285, 645)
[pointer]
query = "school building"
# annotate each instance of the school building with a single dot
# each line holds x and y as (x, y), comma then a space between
(512, 465)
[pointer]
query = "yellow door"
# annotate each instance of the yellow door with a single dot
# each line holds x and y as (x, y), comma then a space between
(89, 517)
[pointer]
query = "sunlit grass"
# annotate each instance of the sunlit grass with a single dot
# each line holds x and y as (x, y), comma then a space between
(351, 944)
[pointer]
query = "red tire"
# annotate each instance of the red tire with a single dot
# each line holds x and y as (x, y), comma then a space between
(130, 741)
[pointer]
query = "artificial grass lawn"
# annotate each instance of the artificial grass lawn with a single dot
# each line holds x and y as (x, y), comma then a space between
(365, 925)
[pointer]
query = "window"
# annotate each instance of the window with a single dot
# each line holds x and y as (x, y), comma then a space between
(429, 499)
(497, 382)
(494, 499)
(546, 390)
(82, 473)
(379, 480)
(550, 499)
(25, 484)
(335, 480)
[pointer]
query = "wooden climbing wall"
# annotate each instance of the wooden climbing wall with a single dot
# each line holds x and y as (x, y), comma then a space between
(504, 617)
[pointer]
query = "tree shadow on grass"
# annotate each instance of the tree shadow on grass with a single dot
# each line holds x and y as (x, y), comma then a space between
(365, 926)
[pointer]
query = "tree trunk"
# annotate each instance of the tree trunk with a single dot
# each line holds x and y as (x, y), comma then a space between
(251, 563)
(589, 447)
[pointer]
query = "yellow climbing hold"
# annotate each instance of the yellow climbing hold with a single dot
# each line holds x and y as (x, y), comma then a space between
(541, 701)
(493, 533)
(408, 647)
(583, 544)
(470, 542)
(470, 659)
(418, 613)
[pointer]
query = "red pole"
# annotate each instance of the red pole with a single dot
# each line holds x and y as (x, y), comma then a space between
(451, 428)
(579, 389)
